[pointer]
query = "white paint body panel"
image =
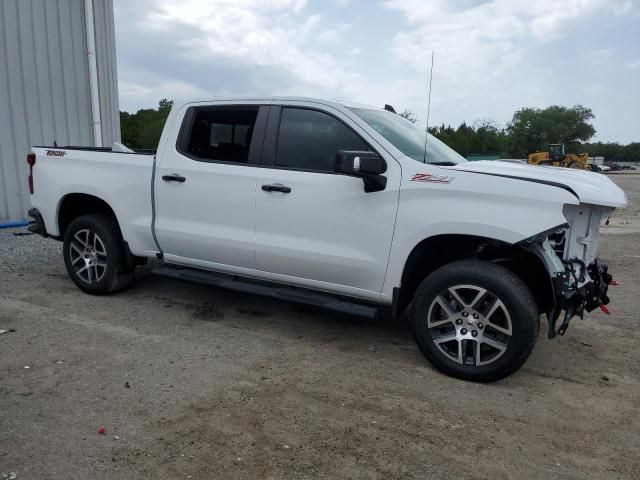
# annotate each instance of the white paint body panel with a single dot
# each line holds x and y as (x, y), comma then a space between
(327, 234)
(326, 230)
(470, 205)
(210, 217)
(122, 180)
(590, 187)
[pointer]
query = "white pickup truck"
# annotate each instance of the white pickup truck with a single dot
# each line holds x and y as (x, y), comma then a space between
(331, 200)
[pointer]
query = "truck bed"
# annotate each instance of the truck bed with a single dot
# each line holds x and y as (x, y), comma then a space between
(121, 179)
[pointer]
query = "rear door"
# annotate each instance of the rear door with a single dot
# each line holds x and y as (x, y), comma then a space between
(205, 187)
(315, 227)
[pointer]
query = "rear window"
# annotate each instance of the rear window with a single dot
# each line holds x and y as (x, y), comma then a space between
(220, 134)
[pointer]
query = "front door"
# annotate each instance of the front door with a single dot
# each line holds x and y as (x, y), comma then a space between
(312, 225)
(205, 188)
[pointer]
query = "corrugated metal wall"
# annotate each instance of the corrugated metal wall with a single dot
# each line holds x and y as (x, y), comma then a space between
(107, 71)
(44, 85)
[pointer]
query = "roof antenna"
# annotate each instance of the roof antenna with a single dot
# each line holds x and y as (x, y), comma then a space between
(426, 137)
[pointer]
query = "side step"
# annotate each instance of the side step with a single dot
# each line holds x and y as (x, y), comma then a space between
(282, 292)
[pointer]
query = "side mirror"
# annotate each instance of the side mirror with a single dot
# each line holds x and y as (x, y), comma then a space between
(367, 165)
(352, 162)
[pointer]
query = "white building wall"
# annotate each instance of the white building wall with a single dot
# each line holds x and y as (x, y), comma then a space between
(44, 86)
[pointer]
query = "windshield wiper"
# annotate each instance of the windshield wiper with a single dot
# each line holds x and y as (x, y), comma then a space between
(443, 164)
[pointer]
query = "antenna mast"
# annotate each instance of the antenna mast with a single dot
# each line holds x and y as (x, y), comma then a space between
(426, 136)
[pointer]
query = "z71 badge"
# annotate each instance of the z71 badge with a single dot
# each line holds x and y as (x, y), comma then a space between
(427, 177)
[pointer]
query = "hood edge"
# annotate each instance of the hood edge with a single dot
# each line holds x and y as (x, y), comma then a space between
(525, 179)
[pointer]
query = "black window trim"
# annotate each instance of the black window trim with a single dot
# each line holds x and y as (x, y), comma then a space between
(272, 133)
(257, 139)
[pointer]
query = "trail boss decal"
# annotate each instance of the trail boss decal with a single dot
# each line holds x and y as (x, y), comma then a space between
(427, 177)
(56, 153)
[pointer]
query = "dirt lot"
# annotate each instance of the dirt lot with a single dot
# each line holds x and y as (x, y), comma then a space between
(194, 382)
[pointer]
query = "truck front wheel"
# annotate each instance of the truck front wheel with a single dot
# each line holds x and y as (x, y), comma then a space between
(475, 320)
(94, 255)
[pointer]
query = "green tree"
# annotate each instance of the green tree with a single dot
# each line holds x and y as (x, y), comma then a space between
(129, 129)
(409, 115)
(533, 129)
(142, 130)
(484, 136)
(488, 137)
(614, 152)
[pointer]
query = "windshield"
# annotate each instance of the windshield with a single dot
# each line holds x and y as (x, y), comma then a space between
(408, 138)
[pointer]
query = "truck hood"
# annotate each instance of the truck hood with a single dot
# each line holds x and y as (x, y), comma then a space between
(589, 187)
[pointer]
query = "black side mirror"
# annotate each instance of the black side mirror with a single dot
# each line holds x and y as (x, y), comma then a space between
(367, 165)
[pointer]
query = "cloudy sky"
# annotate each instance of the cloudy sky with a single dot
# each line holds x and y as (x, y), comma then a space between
(491, 57)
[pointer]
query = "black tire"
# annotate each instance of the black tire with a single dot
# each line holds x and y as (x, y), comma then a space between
(518, 308)
(113, 273)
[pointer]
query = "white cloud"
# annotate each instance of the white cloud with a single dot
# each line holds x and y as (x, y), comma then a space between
(490, 34)
(254, 32)
(149, 93)
(595, 89)
(633, 65)
(602, 53)
(334, 35)
(329, 36)
(483, 64)
(482, 48)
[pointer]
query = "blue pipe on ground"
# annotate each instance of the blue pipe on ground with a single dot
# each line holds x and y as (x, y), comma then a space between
(14, 224)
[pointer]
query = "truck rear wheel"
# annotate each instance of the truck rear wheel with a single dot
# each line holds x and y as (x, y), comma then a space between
(475, 320)
(94, 255)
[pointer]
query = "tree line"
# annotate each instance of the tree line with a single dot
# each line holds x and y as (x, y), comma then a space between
(532, 130)
(529, 130)
(142, 130)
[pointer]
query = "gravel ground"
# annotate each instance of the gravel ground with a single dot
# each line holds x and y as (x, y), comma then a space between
(195, 382)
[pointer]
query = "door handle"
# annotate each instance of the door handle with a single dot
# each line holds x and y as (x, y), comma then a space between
(276, 187)
(174, 177)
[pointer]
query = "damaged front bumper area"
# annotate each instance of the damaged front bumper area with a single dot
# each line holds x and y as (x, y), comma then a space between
(574, 301)
(579, 279)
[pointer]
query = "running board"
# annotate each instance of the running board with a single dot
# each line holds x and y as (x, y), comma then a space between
(282, 292)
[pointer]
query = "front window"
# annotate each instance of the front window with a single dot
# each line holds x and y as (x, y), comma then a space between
(408, 138)
(309, 140)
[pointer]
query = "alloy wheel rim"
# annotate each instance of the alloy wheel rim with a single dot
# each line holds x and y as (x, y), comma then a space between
(88, 256)
(470, 325)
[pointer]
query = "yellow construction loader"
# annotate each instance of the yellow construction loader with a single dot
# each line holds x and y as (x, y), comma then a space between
(556, 157)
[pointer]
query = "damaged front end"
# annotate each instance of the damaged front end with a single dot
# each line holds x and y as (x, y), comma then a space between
(580, 280)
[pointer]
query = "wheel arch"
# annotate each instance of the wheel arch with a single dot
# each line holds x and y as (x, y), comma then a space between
(434, 252)
(74, 205)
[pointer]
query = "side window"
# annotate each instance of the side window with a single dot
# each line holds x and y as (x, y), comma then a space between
(309, 139)
(221, 134)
